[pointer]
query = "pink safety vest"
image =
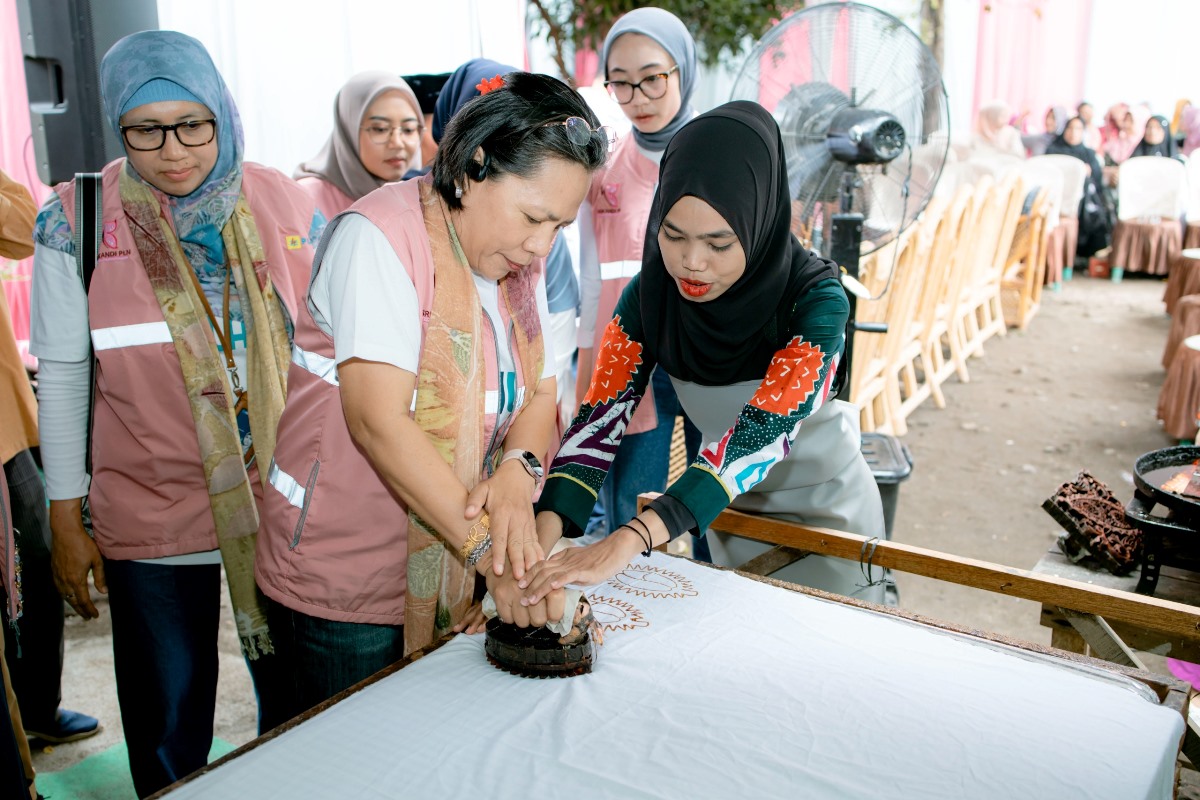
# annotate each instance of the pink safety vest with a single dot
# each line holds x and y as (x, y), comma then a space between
(335, 539)
(329, 199)
(148, 495)
(620, 196)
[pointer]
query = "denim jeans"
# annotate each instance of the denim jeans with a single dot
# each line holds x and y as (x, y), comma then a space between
(165, 620)
(643, 459)
(326, 657)
(34, 650)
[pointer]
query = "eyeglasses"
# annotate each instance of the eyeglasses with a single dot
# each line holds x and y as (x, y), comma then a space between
(653, 87)
(192, 133)
(382, 134)
(580, 133)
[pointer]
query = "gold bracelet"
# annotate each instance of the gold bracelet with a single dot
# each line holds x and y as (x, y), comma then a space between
(475, 536)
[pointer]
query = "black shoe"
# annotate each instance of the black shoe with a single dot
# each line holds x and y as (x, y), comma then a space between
(69, 726)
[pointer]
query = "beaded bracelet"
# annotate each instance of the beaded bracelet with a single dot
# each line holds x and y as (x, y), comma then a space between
(475, 536)
(480, 550)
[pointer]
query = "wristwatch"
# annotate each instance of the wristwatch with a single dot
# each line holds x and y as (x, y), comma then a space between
(529, 461)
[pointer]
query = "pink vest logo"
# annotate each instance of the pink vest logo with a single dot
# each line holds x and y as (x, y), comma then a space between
(109, 239)
(612, 193)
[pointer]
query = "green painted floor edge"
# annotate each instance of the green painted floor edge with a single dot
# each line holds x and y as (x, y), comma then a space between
(103, 776)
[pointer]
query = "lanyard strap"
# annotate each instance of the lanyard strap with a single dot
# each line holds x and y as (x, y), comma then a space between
(224, 335)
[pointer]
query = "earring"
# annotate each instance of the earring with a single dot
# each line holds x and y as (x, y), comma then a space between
(458, 191)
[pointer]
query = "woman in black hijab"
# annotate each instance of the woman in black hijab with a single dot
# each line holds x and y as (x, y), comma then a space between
(1156, 139)
(750, 327)
(1095, 220)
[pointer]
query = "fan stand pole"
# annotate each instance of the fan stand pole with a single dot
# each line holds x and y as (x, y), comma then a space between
(845, 242)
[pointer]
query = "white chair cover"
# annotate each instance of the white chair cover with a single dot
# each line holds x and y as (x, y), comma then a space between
(1075, 175)
(1151, 186)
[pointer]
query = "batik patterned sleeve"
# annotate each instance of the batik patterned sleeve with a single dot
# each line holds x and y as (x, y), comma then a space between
(619, 378)
(798, 381)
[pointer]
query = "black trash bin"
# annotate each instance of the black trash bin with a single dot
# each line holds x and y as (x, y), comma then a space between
(891, 464)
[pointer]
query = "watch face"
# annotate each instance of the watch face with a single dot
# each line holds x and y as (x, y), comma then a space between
(533, 463)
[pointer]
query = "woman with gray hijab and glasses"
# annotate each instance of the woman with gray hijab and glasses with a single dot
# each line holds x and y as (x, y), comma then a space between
(649, 63)
(376, 139)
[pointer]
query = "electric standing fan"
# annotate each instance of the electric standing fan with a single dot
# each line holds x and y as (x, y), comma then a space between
(862, 110)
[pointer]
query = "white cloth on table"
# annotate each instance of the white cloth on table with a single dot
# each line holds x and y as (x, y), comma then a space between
(712, 685)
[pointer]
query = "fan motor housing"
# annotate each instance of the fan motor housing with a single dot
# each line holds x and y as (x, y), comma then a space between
(865, 136)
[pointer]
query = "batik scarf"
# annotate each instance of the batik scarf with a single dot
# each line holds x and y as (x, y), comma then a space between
(451, 386)
(206, 381)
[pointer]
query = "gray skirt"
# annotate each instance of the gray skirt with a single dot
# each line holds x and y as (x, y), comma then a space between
(824, 482)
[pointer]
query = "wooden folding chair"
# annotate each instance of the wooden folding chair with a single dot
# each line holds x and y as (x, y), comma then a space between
(1021, 286)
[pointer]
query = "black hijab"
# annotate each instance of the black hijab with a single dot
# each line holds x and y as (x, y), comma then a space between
(1165, 148)
(732, 159)
(1060, 147)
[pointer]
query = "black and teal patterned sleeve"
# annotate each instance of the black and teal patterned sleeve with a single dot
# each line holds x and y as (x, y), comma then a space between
(798, 381)
(619, 379)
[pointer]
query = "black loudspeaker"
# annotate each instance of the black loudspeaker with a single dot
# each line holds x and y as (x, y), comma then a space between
(63, 42)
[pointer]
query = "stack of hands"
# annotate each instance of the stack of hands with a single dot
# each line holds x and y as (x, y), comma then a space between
(526, 585)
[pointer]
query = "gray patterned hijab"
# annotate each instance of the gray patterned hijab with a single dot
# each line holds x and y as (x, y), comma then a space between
(672, 35)
(142, 57)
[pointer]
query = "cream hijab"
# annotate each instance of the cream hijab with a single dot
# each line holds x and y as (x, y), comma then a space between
(338, 160)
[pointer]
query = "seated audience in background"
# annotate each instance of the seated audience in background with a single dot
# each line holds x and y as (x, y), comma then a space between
(1095, 222)
(1056, 119)
(1091, 133)
(993, 133)
(1156, 139)
(1190, 128)
(376, 139)
(1181, 105)
(1127, 125)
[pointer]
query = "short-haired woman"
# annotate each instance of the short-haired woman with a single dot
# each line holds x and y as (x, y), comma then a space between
(421, 387)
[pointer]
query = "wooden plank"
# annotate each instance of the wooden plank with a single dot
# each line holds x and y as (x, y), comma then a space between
(1101, 638)
(773, 560)
(1112, 604)
(1064, 637)
(1138, 638)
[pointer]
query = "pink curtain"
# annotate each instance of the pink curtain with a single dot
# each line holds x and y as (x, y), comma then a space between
(1031, 54)
(16, 159)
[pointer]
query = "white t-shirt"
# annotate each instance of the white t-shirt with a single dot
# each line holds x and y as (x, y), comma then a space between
(363, 297)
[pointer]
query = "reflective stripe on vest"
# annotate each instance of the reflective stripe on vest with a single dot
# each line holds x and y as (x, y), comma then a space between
(131, 335)
(612, 270)
(287, 486)
(492, 400)
(323, 367)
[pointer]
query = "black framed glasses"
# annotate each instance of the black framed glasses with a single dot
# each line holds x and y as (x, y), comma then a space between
(579, 132)
(378, 133)
(192, 133)
(652, 86)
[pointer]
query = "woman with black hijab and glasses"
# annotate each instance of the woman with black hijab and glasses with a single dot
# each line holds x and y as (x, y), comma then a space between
(750, 328)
